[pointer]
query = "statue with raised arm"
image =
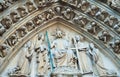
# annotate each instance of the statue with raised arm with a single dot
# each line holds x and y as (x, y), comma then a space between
(82, 48)
(26, 57)
(63, 55)
(42, 55)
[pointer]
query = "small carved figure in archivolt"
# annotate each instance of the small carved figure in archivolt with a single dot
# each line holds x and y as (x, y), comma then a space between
(2, 29)
(30, 6)
(116, 46)
(68, 13)
(6, 22)
(105, 36)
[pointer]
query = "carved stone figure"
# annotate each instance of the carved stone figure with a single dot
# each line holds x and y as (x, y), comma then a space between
(92, 10)
(14, 16)
(30, 6)
(105, 37)
(6, 22)
(9, 2)
(2, 30)
(3, 51)
(49, 14)
(40, 3)
(115, 4)
(59, 10)
(42, 56)
(111, 21)
(21, 32)
(95, 56)
(25, 59)
(93, 28)
(14, 72)
(29, 25)
(102, 15)
(116, 46)
(84, 5)
(68, 14)
(84, 58)
(117, 27)
(80, 20)
(63, 55)
(3, 6)
(37, 21)
(22, 11)
(12, 40)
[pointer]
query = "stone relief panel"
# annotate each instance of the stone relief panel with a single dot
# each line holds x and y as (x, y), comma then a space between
(50, 14)
(57, 48)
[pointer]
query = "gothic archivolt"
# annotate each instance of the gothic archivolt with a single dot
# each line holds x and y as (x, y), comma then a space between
(97, 24)
(58, 50)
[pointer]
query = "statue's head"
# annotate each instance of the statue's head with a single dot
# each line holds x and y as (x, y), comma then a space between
(91, 45)
(41, 37)
(59, 34)
(77, 38)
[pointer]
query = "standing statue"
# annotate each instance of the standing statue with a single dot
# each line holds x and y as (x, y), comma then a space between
(42, 56)
(96, 59)
(63, 55)
(25, 62)
(82, 47)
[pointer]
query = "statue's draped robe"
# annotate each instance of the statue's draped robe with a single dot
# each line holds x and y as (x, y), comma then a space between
(23, 62)
(63, 56)
(84, 57)
(99, 63)
(43, 64)
(42, 57)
